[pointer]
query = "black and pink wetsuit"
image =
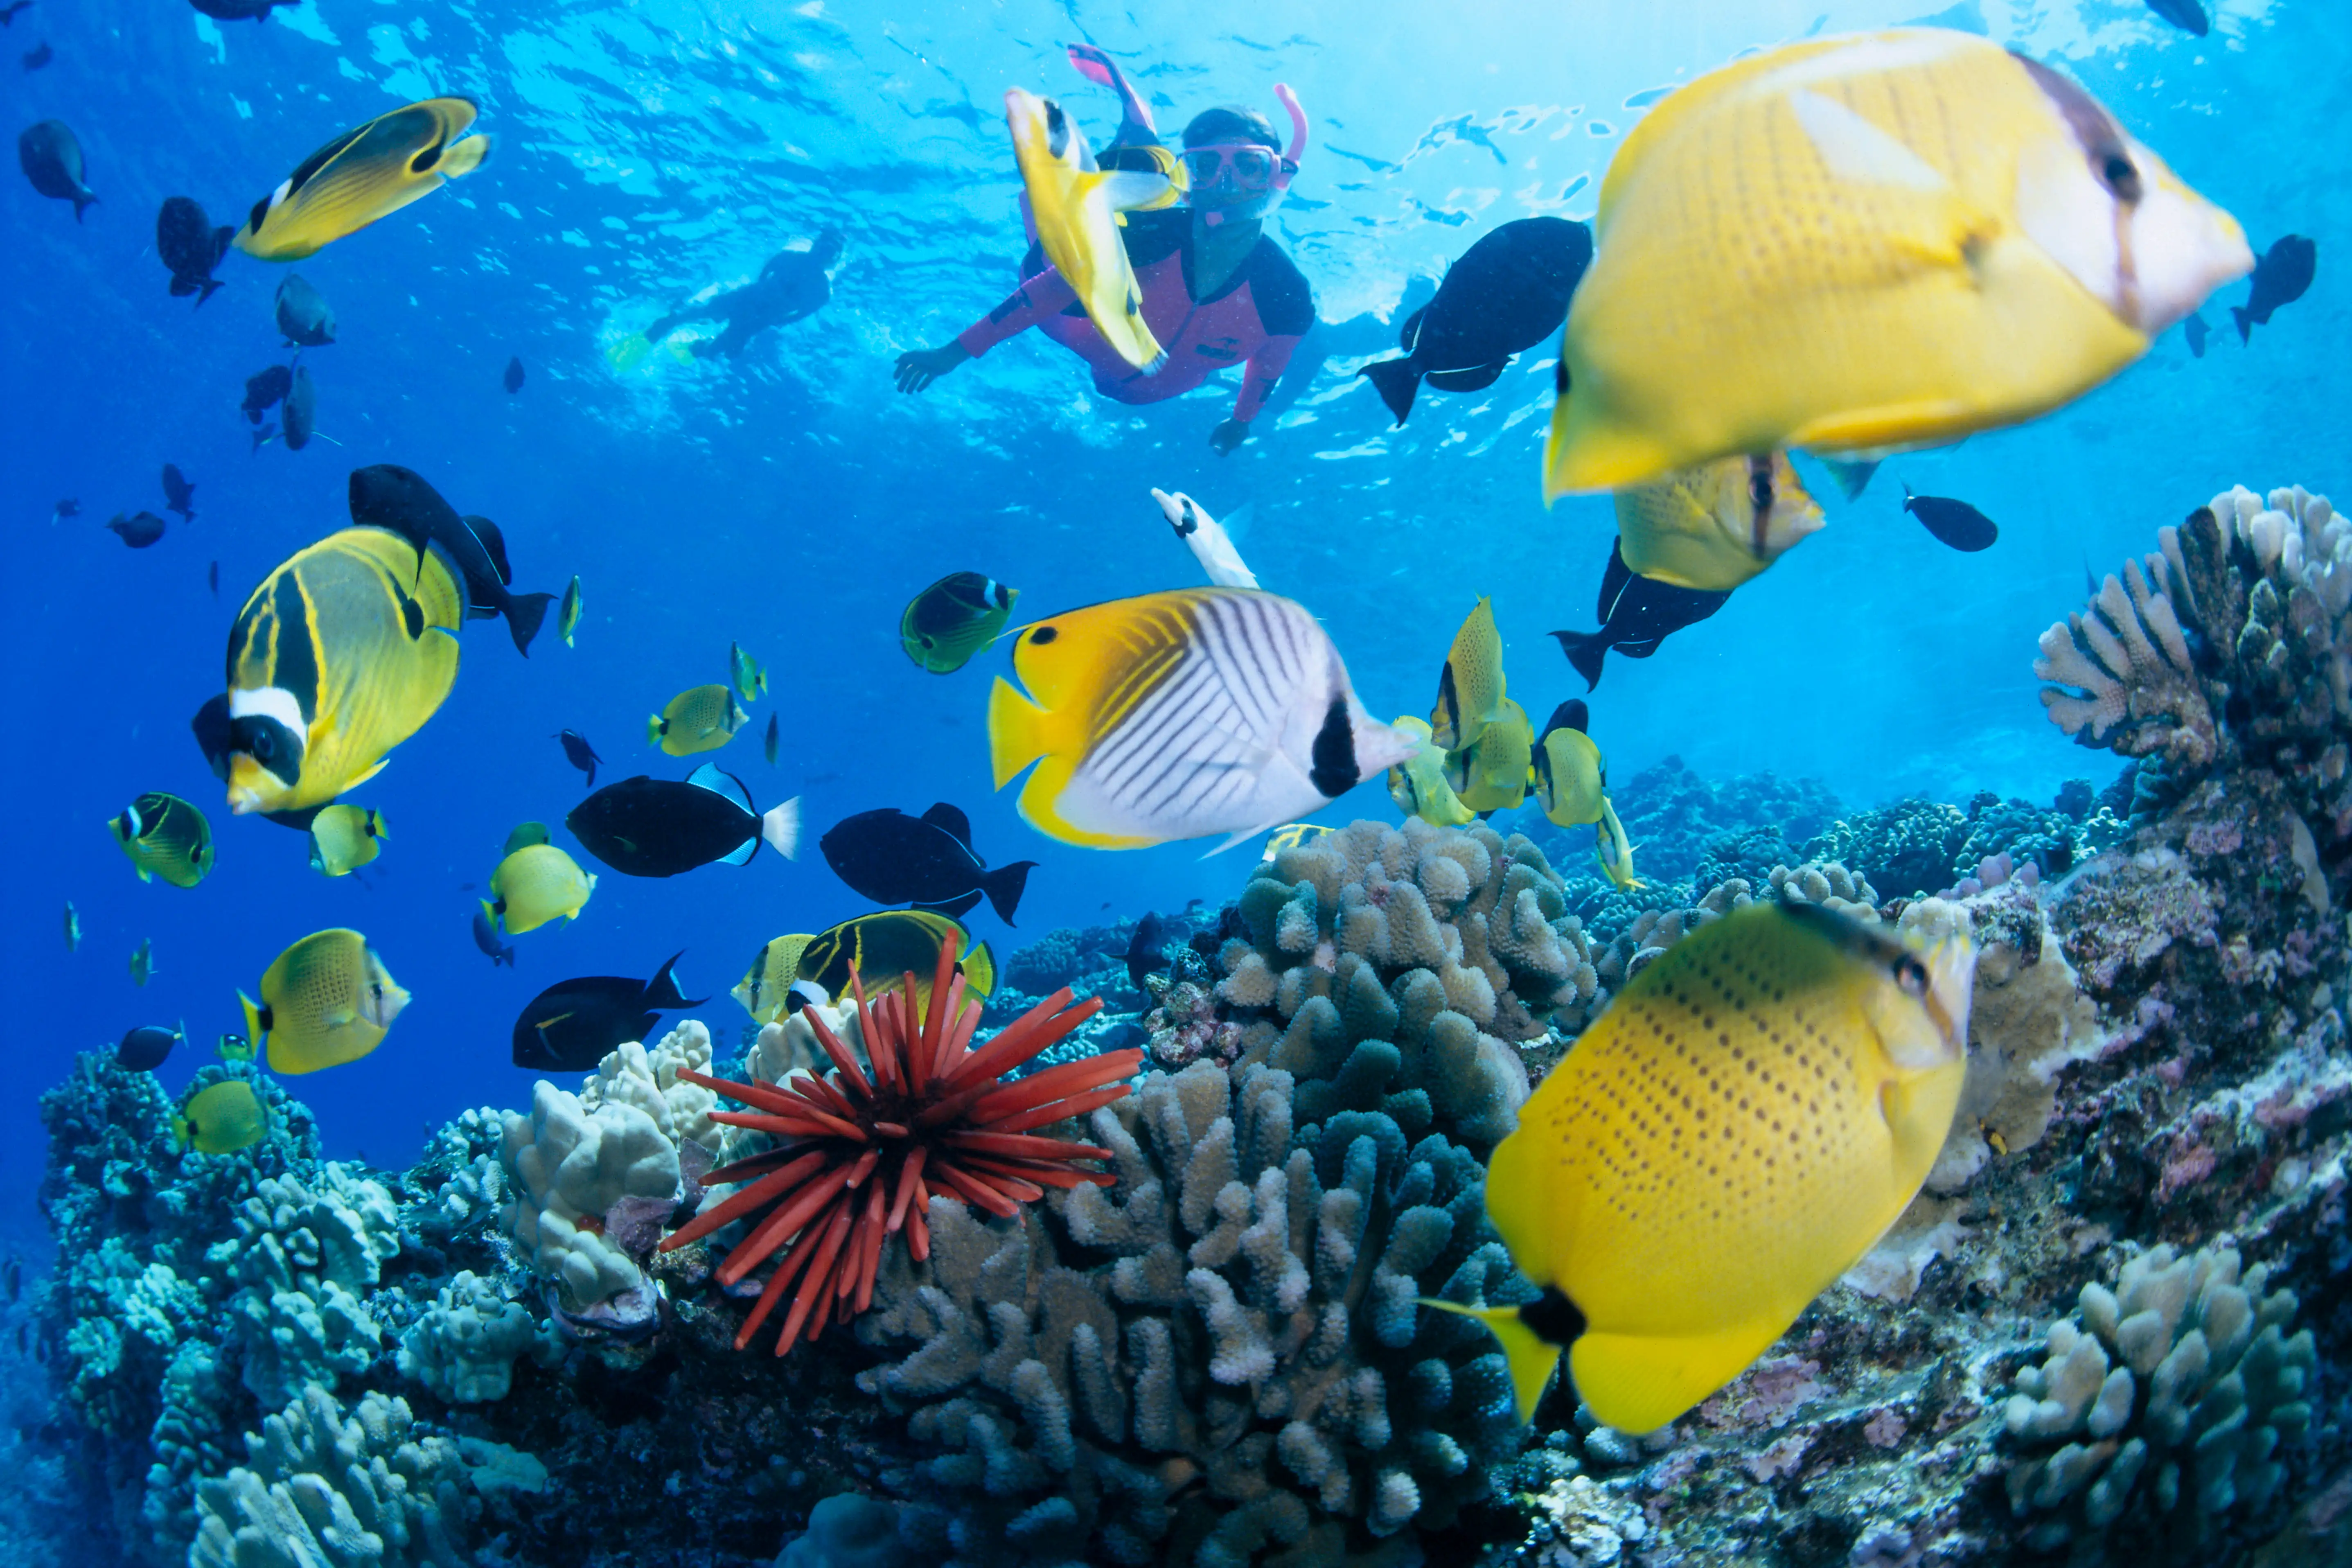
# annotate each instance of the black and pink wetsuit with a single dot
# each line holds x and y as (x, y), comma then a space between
(1256, 318)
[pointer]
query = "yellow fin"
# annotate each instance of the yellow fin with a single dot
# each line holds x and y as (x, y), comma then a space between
(1531, 1357)
(463, 157)
(1638, 1384)
(980, 969)
(1015, 731)
(254, 1026)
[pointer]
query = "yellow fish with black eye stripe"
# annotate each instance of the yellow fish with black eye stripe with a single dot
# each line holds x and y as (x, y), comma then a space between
(1077, 206)
(1491, 772)
(792, 971)
(165, 836)
(1569, 773)
(1470, 687)
(364, 175)
(341, 653)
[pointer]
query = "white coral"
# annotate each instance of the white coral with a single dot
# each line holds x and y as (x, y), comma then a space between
(648, 1080)
(570, 1166)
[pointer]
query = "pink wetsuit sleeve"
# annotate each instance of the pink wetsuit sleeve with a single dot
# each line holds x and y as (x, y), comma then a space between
(1266, 368)
(1037, 299)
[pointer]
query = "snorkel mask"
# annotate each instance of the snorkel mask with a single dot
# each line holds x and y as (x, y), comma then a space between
(1255, 172)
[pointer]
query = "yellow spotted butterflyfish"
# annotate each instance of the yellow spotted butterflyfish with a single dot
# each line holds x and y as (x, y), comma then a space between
(325, 1001)
(1716, 526)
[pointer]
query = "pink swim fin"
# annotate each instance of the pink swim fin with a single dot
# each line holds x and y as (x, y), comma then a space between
(1096, 67)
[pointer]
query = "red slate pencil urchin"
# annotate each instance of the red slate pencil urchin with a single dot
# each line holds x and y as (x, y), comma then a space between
(864, 1157)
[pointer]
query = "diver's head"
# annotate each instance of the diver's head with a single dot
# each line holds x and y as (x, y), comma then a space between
(826, 247)
(1235, 163)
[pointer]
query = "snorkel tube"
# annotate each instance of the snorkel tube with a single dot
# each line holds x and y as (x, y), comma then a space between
(1257, 206)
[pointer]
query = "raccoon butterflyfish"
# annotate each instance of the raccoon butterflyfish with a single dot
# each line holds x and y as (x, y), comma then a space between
(954, 618)
(793, 971)
(699, 719)
(326, 1000)
(1744, 1121)
(1567, 771)
(1717, 525)
(165, 836)
(536, 883)
(1417, 784)
(1179, 714)
(221, 1119)
(1076, 204)
(362, 175)
(1867, 243)
(1470, 687)
(1491, 772)
(338, 655)
(345, 837)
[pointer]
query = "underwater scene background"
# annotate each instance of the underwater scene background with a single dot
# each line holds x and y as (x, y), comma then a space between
(2185, 1081)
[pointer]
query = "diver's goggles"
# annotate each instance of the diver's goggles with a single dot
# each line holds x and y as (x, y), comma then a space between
(1253, 166)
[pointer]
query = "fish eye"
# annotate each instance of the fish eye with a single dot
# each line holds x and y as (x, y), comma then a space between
(926, 640)
(424, 159)
(1759, 491)
(1911, 974)
(1043, 634)
(2120, 174)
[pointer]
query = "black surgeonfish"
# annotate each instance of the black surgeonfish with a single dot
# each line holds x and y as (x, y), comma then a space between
(301, 414)
(2194, 329)
(341, 653)
(2281, 278)
(38, 55)
(179, 495)
(362, 175)
(145, 1048)
(51, 158)
(1953, 523)
(927, 861)
(574, 1023)
(304, 317)
(1508, 293)
(485, 937)
(580, 753)
(191, 247)
(512, 379)
(239, 10)
(139, 529)
(387, 496)
(264, 390)
(2188, 16)
(1147, 951)
(659, 827)
(1636, 615)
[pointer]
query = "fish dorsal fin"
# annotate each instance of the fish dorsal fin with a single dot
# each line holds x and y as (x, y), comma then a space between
(1855, 150)
(718, 781)
(951, 821)
(1130, 190)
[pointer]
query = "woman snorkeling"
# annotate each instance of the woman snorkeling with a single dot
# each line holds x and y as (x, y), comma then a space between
(1216, 290)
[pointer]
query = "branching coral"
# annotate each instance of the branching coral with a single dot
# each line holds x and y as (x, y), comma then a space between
(2229, 645)
(865, 1156)
(2168, 1397)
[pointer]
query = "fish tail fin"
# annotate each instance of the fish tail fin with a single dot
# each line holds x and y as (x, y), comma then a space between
(256, 1018)
(183, 1130)
(463, 156)
(80, 201)
(1017, 731)
(780, 826)
(654, 727)
(661, 992)
(210, 287)
(979, 968)
(524, 614)
(1396, 380)
(1585, 652)
(1003, 887)
(2243, 318)
(1531, 1358)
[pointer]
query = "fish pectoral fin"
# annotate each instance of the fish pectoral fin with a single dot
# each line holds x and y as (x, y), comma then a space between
(1531, 1358)
(1019, 731)
(1639, 1383)
(1133, 190)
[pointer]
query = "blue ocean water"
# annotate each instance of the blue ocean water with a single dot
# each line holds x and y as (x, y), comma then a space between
(792, 500)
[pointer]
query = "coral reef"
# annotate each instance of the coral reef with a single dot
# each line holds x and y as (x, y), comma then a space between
(1678, 818)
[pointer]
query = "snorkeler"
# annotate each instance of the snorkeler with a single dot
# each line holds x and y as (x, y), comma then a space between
(1216, 290)
(791, 285)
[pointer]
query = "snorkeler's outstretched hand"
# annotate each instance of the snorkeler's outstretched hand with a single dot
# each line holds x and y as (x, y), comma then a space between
(1228, 436)
(918, 370)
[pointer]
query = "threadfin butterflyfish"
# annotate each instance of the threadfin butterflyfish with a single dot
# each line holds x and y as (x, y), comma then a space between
(165, 836)
(1862, 244)
(534, 885)
(1490, 774)
(659, 827)
(1470, 687)
(1745, 1119)
(341, 653)
(1570, 774)
(325, 1001)
(793, 972)
(750, 680)
(1179, 714)
(1614, 850)
(1717, 525)
(221, 1118)
(954, 618)
(345, 837)
(699, 719)
(1417, 784)
(1076, 204)
(362, 175)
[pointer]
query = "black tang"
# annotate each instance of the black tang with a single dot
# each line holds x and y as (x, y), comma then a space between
(1953, 523)
(574, 1023)
(1636, 615)
(1508, 293)
(924, 861)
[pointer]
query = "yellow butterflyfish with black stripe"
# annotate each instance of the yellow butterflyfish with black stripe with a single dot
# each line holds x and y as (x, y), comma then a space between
(1470, 687)
(341, 653)
(1745, 1119)
(1417, 784)
(793, 972)
(1569, 773)
(1490, 774)
(364, 173)
(325, 1001)
(1716, 526)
